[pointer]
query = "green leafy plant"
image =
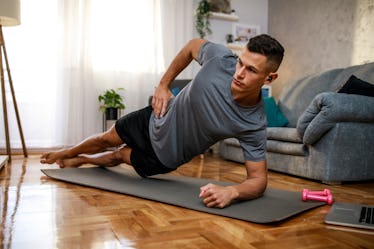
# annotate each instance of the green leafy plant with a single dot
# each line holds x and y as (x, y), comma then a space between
(111, 99)
(202, 19)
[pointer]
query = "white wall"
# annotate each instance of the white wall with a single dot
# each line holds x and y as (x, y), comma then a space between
(252, 12)
(319, 35)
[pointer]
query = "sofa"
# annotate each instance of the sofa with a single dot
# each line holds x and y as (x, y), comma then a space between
(329, 135)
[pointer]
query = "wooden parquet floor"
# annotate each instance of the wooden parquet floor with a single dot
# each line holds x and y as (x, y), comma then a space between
(38, 212)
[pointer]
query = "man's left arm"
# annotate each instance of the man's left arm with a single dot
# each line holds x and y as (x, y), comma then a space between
(252, 187)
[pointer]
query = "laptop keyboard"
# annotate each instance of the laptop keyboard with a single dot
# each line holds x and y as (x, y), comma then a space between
(367, 215)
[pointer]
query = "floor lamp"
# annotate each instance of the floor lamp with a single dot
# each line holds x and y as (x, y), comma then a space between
(9, 16)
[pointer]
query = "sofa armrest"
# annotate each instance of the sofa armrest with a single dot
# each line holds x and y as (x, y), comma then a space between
(329, 108)
(344, 153)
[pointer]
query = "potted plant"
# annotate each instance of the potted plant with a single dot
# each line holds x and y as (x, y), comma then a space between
(111, 101)
(202, 19)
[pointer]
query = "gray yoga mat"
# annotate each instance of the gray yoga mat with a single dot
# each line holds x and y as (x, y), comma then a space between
(274, 206)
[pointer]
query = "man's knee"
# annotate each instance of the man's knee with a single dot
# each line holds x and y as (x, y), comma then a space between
(110, 138)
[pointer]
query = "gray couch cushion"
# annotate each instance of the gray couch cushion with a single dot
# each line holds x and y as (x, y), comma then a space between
(274, 133)
(284, 134)
(232, 142)
(287, 148)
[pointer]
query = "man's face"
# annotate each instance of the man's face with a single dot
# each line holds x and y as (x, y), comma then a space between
(251, 72)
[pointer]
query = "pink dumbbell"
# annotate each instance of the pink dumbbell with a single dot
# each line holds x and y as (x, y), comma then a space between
(325, 192)
(328, 198)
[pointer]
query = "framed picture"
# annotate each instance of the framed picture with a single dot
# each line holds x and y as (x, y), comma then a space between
(243, 32)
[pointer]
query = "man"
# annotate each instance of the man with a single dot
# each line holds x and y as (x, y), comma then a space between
(224, 100)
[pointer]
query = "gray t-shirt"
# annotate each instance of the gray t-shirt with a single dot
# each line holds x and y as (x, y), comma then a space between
(204, 112)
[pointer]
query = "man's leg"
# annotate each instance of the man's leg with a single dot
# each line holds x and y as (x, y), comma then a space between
(94, 144)
(108, 159)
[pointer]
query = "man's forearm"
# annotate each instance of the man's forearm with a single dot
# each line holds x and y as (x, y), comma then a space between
(256, 182)
(220, 196)
(249, 189)
(162, 93)
(188, 53)
(179, 63)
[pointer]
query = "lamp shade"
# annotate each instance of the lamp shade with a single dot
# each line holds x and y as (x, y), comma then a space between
(9, 12)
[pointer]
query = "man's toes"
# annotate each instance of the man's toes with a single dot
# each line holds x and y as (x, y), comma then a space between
(60, 163)
(45, 161)
(43, 158)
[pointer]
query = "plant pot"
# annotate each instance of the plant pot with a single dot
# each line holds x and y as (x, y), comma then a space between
(111, 113)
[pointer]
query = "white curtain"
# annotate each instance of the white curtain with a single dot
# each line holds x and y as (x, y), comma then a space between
(74, 50)
(177, 28)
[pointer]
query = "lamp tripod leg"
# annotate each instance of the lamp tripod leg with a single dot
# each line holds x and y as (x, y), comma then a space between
(5, 113)
(13, 98)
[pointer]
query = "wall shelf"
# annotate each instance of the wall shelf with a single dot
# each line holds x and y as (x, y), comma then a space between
(236, 48)
(223, 16)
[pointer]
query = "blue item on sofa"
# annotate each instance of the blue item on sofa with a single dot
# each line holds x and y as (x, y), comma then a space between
(274, 116)
(175, 91)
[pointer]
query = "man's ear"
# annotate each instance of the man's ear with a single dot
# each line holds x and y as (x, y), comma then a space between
(271, 77)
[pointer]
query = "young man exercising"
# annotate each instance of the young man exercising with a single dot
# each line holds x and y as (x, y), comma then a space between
(222, 101)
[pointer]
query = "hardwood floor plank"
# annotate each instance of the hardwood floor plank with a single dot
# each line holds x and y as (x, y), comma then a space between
(39, 212)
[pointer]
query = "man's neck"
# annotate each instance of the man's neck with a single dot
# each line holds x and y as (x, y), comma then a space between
(246, 100)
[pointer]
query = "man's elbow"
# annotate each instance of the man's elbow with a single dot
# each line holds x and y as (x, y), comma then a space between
(262, 185)
(194, 46)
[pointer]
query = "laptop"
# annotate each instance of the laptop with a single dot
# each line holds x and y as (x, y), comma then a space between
(352, 215)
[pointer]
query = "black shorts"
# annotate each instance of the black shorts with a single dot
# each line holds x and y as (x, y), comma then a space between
(133, 129)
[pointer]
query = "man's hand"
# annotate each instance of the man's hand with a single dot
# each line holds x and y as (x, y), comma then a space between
(160, 100)
(252, 187)
(218, 196)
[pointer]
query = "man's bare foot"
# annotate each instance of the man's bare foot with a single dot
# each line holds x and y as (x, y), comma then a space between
(52, 157)
(74, 162)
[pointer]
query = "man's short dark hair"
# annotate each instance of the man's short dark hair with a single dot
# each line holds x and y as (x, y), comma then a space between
(269, 47)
